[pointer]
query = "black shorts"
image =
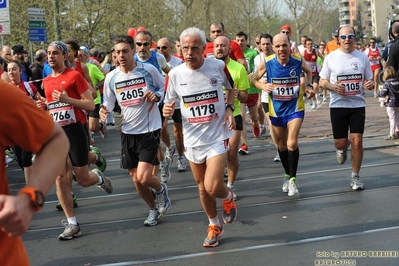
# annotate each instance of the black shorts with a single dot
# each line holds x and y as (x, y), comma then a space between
(24, 158)
(316, 78)
(238, 119)
(79, 145)
(344, 119)
(265, 107)
(139, 148)
(177, 116)
(96, 112)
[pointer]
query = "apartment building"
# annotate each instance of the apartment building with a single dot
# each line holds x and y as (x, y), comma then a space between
(372, 15)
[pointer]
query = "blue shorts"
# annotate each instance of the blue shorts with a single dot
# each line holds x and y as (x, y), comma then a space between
(283, 121)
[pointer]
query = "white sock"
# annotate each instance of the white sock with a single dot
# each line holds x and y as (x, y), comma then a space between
(228, 196)
(72, 220)
(214, 221)
(100, 180)
(355, 174)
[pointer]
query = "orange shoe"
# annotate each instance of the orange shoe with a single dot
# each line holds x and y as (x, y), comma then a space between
(243, 149)
(256, 130)
(229, 206)
(214, 233)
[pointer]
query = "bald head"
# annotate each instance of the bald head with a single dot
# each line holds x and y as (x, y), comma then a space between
(281, 37)
(221, 48)
(6, 53)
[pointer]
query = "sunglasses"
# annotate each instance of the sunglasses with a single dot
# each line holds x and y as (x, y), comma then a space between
(162, 47)
(257, 43)
(372, 42)
(142, 43)
(349, 36)
(285, 31)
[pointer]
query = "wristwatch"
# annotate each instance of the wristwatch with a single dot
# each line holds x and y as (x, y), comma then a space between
(36, 197)
(158, 96)
(231, 106)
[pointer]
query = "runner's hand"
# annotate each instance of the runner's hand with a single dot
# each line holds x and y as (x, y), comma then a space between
(103, 113)
(168, 109)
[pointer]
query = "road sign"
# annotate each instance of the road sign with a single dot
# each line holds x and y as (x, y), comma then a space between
(4, 10)
(6, 29)
(37, 25)
(37, 38)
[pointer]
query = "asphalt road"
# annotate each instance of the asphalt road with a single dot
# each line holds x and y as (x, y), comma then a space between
(327, 223)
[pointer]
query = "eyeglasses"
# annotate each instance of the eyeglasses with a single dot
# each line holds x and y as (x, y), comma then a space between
(193, 48)
(372, 42)
(349, 36)
(162, 47)
(285, 31)
(216, 31)
(142, 43)
(69, 50)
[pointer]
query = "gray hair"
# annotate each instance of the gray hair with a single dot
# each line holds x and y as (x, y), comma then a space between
(193, 31)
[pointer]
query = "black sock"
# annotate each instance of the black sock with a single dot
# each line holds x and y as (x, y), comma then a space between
(293, 158)
(284, 160)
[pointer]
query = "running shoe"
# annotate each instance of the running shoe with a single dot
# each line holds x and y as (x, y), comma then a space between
(277, 158)
(181, 164)
(375, 95)
(162, 199)
(356, 183)
(214, 234)
(262, 129)
(232, 188)
(71, 231)
(314, 105)
(101, 162)
(103, 131)
(8, 160)
(229, 206)
(243, 149)
(75, 203)
(286, 183)
(106, 185)
(169, 153)
(342, 155)
(324, 99)
(255, 130)
(152, 218)
(389, 137)
(292, 187)
(165, 171)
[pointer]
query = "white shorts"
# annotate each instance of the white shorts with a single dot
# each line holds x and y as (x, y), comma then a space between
(200, 154)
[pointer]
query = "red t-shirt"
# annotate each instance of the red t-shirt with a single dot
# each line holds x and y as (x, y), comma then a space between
(26, 91)
(75, 85)
(235, 52)
(30, 132)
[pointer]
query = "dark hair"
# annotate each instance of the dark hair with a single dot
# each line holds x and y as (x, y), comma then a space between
(124, 39)
(74, 44)
(16, 62)
(145, 32)
(218, 24)
(1, 60)
(308, 40)
(241, 33)
(266, 36)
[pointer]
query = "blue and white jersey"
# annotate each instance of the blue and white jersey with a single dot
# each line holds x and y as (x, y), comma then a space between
(128, 89)
(287, 96)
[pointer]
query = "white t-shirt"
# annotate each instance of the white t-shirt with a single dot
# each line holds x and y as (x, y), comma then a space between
(301, 48)
(351, 70)
(174, 61)
(128, 89)
(202, 102)
(260, 59)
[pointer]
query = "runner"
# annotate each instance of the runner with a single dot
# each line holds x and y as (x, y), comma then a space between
(346, 73)
(67, 96)
(138, 87)
(241, 85)
(208, 123)
(286, 104)
(374, 55)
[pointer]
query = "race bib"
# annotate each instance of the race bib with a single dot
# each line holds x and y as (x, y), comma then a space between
(130, 92)
(312, 66)
(62, 113)
(285, 89)
(353, 83)
(201, 108)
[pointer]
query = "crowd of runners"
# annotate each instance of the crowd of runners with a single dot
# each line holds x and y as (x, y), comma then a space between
(208, 88)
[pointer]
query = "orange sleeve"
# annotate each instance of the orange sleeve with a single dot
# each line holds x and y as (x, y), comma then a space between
(21, 121)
